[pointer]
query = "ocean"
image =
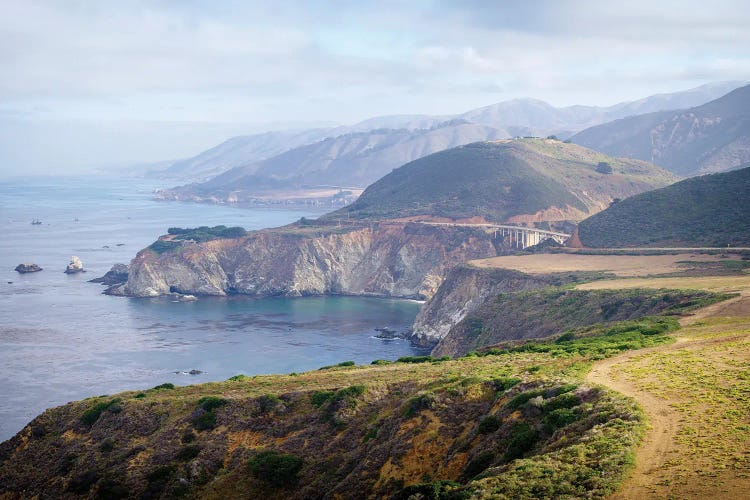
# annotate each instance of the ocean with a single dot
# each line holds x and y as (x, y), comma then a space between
(62, 340)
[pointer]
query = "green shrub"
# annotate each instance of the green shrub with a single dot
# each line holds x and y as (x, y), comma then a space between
(188, 452)
(161, 246)
(489, 424)
(277, 469)
(478, 464)
(505, 383)
(421, 359)
(163, 386)
(522, 439)
(90, 416)
(437, 490)
(604, 168)
(210, 403)
(381, 362)
(346, 363)
(559, 418)
(107, 445)
(319, 398)
(204, 421)
(140, 395)
(237, 378)
(349, 392)
(268, 402)
(566, 400)
(521, 399)
(418, 403)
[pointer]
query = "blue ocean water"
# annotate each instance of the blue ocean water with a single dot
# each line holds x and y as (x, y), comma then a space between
(62, 340)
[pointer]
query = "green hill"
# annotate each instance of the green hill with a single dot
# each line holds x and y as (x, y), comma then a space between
(711, 210)
(526, 179)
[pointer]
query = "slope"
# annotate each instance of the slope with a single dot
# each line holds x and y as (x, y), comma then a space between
(706, 211)
(713, 137)
(521, 180)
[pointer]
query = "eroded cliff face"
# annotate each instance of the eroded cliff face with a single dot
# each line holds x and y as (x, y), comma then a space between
(381, 259)
(464, 290)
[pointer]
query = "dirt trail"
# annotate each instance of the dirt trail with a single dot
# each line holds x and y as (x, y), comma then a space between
(659, 439)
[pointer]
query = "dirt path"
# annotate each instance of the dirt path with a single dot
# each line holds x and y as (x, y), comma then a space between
(659, 439)
(659, 446)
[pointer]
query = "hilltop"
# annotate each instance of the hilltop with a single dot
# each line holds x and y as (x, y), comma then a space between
(713, 137)
(706, 211)
(520, 180)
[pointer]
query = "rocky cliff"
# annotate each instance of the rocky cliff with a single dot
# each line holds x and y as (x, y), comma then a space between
(381, 259)
(464, 289)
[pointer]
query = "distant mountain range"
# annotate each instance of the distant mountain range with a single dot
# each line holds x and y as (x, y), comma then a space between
(713, 137)
(359, 154)
(708, 211)
(518, 181)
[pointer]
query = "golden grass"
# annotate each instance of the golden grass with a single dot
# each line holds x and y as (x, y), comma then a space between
(620, 265)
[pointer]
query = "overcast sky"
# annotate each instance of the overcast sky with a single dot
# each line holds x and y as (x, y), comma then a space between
(88, 83)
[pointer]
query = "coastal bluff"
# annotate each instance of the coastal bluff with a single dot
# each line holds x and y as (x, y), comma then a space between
(387, 259)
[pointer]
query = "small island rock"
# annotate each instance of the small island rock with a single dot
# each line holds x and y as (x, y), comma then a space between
(115, 276)
(28, 268)
(75, 266)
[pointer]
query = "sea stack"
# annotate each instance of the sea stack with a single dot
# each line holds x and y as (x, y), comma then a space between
(28, 268)
(75, 266)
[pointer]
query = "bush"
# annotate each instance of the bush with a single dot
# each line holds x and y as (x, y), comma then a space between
(319, 398)
(91, 415)
(161, 246)
(268, 402)
(478, 464)
(163, 386)
(559, 418)
(277, 469)
(418, 403)
(489, 424)
(188, 452)
(522, 439)
(421, 359)
(604, 168)
(210, 403)
(521, 399)
(381, 362)
(346, 363)
(204, 421)
(503, 384)
(566, 400)
(437, 490)
(236, 378)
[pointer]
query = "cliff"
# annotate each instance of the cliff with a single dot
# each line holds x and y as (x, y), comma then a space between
(381, 259)
(464, 289)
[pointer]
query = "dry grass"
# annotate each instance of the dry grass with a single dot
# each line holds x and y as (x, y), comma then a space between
(620, 265)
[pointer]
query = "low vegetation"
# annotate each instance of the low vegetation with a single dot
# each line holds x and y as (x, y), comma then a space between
(698, 212)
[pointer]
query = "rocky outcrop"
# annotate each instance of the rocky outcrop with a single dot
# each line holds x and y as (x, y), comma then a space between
(465, 289)
(117, 275)
(75, 266)
(378, 259)
(28, 268)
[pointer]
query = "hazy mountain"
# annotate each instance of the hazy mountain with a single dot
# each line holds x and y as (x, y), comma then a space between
(519, 117)
(544, 118)
(520, 180)
(353, 160)
(238, 151)
(702, 211)
(709, 138)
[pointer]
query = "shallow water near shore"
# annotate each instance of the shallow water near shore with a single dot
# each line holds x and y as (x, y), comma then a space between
(61, 340)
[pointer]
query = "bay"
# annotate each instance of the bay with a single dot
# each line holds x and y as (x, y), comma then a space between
(62, 340)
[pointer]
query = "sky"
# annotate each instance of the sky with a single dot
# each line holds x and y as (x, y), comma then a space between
(87, 85)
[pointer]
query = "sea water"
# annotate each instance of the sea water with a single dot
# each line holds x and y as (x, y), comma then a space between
(62, 340)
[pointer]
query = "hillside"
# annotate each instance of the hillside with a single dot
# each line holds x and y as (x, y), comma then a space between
(351, 160)
(522, 180)
(518, 117)
(713, 137)
(702, 211)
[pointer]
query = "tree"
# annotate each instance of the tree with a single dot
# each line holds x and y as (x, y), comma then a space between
(604, 168)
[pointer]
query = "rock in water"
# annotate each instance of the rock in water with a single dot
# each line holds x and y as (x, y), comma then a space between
(115, 276)
(75, 266)
(28, 268)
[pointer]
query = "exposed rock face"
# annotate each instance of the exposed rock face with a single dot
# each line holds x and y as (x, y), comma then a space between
(75, 266)
(381, 259)
(115, 276)
(28, 268)
(464, 290)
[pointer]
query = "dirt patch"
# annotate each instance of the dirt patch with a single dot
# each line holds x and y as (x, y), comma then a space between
(620, 265)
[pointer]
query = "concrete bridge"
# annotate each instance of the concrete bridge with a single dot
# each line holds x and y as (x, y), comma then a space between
(519, 236)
